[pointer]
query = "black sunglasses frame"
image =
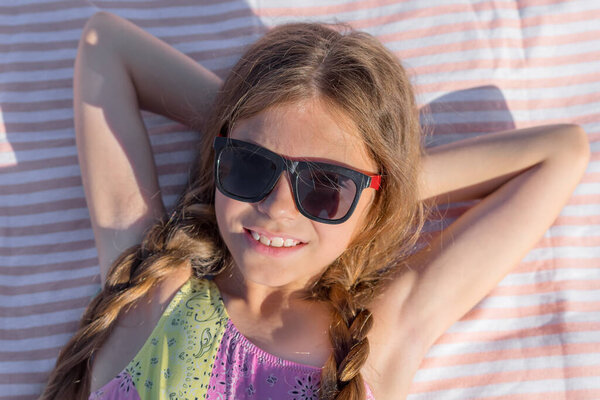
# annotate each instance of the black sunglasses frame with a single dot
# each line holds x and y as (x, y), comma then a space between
(361, 181)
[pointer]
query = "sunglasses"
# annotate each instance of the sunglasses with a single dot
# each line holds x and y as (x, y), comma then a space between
(322, 192)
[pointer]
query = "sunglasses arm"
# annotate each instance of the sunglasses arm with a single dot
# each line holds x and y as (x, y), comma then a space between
(375, 181)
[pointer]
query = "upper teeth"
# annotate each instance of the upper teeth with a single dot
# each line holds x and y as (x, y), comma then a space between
(274, 241)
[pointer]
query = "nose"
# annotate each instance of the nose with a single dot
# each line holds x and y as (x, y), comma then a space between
(279, 204)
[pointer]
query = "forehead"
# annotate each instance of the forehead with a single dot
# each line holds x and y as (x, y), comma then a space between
(308, 129)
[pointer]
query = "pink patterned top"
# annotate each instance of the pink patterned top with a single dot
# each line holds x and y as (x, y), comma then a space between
(196, 352)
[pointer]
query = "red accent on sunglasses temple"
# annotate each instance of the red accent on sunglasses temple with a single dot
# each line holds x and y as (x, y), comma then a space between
(375, 181)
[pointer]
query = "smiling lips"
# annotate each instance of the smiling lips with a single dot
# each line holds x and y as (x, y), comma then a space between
(274, 241)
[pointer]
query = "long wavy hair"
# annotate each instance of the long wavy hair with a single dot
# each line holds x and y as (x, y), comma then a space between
(354, 73)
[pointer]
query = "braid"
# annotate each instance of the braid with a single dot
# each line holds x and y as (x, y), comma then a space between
(188, 239)
(341, 377)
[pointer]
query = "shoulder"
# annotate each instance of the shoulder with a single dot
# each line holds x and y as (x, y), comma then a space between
(133, 326)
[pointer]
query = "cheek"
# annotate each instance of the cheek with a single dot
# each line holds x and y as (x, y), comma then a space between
(227, 211)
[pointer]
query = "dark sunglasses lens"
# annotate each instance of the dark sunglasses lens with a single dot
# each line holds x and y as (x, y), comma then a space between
(325, 194)
(244, 173)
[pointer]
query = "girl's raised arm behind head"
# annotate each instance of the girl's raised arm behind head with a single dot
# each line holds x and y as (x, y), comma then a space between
(119, 70)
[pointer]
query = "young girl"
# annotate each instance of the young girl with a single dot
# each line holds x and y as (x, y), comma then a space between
(289, 267)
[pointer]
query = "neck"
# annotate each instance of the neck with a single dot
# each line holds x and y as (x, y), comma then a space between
(260, 300)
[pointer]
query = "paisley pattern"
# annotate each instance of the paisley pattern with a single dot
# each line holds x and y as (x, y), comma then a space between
(196, 352)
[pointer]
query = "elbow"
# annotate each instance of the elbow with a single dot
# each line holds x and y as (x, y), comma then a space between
(97, 27)
(574, 148)
(580, 144)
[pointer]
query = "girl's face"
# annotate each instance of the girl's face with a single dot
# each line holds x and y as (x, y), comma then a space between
(299, 130)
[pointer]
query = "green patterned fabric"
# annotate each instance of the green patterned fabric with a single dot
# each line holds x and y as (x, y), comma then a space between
(180, 352)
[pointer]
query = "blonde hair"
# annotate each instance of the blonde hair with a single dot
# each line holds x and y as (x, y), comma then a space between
(354, 73)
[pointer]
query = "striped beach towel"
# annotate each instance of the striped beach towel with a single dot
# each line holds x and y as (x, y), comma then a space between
(478, 66)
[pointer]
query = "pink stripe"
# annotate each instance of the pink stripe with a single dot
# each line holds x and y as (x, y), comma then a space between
(553, 82)
(49, 307)
(37, 85)
(512, 104)
(70, 142)
(20, 9)
(38, 186)
(36, 126)
(49, 286)
(37, 46)
(579, 394)
(78, 23)
(23, 377)
(490, 336)
(20, 397)
(491, 64)
(50, 206)
(6, 148)
(560, 18)
(39, 144)
(58, 227)
(433, 109)
(591, 177)
(38, 332)
(46, 249)
(556, 263)
(29, 355)
(558, 307)
(65, 266)
(322, 11)
(72, 160)
(505, 377)
(545, 287)
(36, 106)
(457, 211)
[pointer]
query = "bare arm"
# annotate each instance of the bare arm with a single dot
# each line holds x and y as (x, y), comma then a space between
(473, 168)
(119, 70)
(536, 171)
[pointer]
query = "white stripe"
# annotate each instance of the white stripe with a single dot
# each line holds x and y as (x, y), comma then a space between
(9, 390)
(534, 321)
(45, 218)
(493, 93)
(39, 320)
(170, 201)
(35, 76)
(69, 54)
(593, 166)
(19, 3)
(532, 342)
(172, 179)
(37, 95)
(565, 7)
(551, 275)
(580, 210)
(15, 367)
(559, 386)
(148, 14)
(573, 230)
(505, 365)
(528, 300)
(586, 188)
(56, 152)
(48, 342)
(30, 299)
(51, 258)
(42, 37)
(48, 277)
(34, 175)
(549, 253)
